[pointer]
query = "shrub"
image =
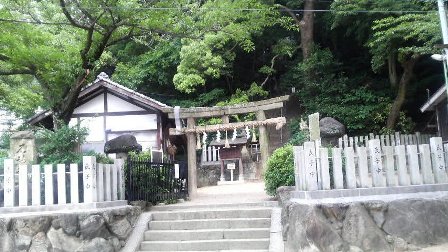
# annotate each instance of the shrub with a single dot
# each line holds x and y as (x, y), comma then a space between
(100, 157)
(280, 170)
(59, 146)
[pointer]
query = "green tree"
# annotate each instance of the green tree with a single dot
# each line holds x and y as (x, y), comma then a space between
(409, 37)
(62, 43)
(221, 28)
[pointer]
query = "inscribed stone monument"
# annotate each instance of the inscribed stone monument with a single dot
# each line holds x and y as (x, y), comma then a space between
(314, 126)
(23, 147)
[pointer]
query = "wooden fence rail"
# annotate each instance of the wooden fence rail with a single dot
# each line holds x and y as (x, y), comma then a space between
(385, 140)
(377, 165)
(99, 183)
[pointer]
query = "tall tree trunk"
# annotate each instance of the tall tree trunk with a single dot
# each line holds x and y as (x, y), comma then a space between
(306, 25)
(307, 29)
(392, 65)
(408, 67)
(65, 110)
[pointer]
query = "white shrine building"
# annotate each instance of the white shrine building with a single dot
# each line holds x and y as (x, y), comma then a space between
(109, 110)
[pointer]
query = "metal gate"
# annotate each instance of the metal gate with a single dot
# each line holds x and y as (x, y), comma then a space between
(155, 182)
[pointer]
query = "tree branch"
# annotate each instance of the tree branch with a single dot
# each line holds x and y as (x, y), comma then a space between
(16, 71)
(272, 67)
(4, 57)
(69, 17)
(88, 45)
(291, 13)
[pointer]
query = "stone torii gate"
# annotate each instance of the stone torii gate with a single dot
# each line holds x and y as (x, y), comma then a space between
(192, 114)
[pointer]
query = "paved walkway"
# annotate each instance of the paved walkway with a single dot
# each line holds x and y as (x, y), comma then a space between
(249, 192)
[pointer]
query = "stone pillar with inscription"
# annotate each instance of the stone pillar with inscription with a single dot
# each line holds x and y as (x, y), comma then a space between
(89, 177)
(191, 149)
(264, 141)
(314, 126)
(23, 148)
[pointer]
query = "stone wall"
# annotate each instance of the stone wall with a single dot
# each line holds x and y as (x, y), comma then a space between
(99, 230)
(373, 225)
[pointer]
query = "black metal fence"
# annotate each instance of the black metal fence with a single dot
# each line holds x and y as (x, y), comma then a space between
(155, 182)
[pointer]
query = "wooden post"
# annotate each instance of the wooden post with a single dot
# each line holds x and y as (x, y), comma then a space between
(264, 141)
(191, 148)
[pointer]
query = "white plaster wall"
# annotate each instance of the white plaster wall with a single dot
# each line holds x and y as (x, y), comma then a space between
(116, 104)
(95, 126)
(131, 122)
(96, 105)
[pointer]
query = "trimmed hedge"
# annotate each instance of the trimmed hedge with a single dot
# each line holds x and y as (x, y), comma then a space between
(280, 170)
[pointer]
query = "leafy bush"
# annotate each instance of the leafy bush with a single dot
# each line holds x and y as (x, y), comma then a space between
(324, 88)
(59, 146)
(280, 171)
(100, 157)
(298, 136)
(146, 155)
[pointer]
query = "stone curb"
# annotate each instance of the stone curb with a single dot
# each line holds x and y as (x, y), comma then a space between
(136, 237)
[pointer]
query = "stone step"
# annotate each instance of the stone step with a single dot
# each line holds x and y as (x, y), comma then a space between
(210, 224)
(206, 234)
(212, 214)
(175, 207)
(205, 245)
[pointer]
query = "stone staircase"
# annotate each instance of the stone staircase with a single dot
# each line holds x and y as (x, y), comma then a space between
(219, 228)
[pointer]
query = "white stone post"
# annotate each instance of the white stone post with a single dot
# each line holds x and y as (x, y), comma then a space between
(438, 160)
(298, 168)
(23, 185)
(403, 178)
(363, 171)
(89, 178)
(325, 169)
(350, 174)
(338, 176)
(48, 184)
(376, 162)
(100, 182)
(107, 182)
(425, 160)
(62, 198)
(391, 179)
(314, 128)
(74, 185)
(414, 169)
(114, 182)
(121, 184)
(9, 172)
(35, 185)
(310, 166)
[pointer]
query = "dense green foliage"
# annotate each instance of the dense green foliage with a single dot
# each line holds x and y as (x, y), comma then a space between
(217, 52)
(280, 170)
(59, 146)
